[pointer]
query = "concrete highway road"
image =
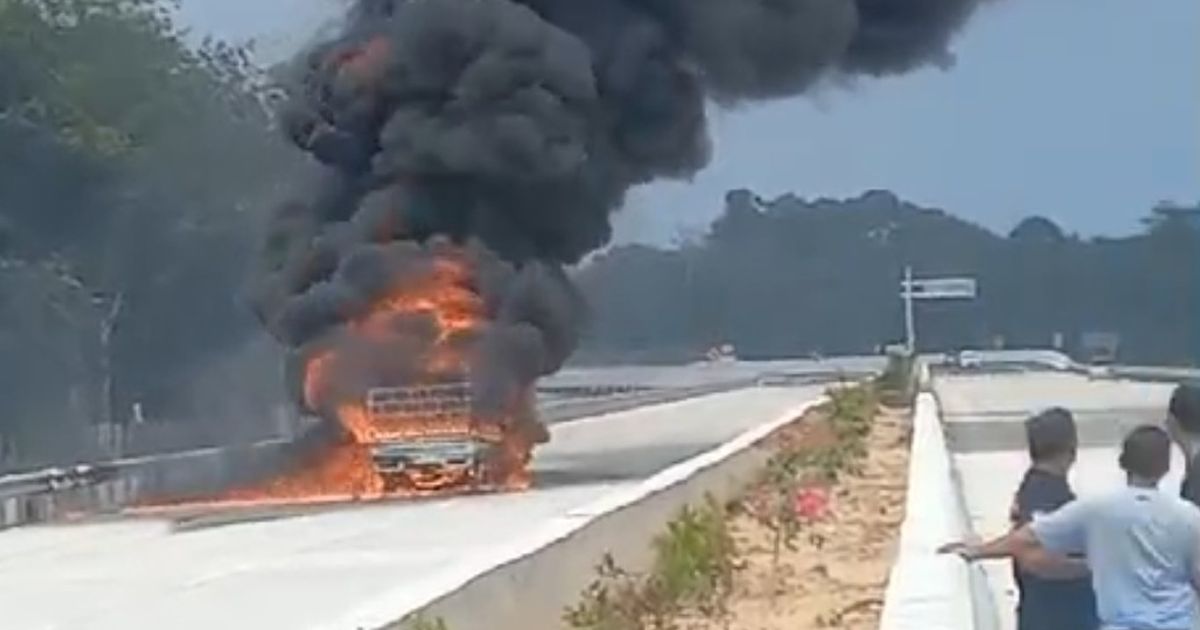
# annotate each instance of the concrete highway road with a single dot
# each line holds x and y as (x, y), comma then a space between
(330, 568)
(984, 415)
(706, 373)
(579, 392)
(570, 395)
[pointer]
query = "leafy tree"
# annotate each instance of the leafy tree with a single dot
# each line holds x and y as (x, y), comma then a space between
(131, 166)
(1037, 230)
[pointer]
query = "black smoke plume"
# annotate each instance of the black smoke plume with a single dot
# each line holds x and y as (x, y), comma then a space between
(508, 131)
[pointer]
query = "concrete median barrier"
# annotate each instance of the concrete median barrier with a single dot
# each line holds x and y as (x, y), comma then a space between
(927, 591)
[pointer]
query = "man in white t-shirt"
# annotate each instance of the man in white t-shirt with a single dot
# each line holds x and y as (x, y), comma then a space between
(1142, 545)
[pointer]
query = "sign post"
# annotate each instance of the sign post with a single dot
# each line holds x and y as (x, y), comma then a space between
(961, 288)
(910, 326)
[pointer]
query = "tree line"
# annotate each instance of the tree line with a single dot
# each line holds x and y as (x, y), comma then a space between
(791, 277)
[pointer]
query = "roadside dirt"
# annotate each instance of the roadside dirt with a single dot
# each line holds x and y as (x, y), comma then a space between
(836, 576)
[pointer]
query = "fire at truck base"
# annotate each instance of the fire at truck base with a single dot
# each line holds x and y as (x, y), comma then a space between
(400, 442)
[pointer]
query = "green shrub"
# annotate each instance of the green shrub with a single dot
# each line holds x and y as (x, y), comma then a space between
(694, 559)
(796, 467)
(615, 600)
(692, 569)
(898, 382)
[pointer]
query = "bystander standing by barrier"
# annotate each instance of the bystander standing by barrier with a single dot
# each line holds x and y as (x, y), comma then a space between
(1141, 545)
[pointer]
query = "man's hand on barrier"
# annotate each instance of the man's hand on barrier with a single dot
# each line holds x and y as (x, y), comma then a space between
(962, 549)
(1017, 542)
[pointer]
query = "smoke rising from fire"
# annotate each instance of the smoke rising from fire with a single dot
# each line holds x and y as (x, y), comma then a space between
(497, 136)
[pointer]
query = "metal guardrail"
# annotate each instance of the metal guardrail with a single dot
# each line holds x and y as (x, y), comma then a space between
(1156, 374)
(55, 480)
(1059, 361)
(582, 391)
(48, 494)
(1049, 358)
(1132, 372)
(42, 495)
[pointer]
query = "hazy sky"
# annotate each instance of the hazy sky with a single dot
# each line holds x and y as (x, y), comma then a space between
(1086, 111)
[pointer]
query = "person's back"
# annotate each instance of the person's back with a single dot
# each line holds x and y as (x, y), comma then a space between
(1141, 546)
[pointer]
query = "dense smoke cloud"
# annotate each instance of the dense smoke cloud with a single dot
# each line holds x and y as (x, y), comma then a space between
(518, 126)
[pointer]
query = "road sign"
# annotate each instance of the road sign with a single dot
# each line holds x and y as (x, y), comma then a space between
(940, 289)
(912, 289)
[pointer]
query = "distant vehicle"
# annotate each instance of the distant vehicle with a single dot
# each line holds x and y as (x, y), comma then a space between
(969, 360)
(55, 480)
(1099, 371)
(724, 353)
(1102, 356)
(1100, 348)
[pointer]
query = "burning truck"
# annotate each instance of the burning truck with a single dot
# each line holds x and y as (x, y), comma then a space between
(464, 152)
(426, 438)
(409, 381)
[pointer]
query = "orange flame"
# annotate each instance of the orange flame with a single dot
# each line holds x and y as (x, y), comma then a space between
(445, 295)
(370, 430)
(341, 471)
(344, 470)
(315, 375)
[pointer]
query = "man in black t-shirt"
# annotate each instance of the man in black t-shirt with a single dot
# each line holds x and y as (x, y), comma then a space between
(1050, 603)
(1183, 423)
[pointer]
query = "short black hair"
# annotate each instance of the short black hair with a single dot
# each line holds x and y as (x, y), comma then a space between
(1146, 452)
(1185, 407)
(1050, 433)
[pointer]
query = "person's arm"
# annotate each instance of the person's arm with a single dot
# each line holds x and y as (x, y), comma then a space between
(1052, 566)
(1010, 545)
(1024, 548)
(1047, 564)
(1040, 546)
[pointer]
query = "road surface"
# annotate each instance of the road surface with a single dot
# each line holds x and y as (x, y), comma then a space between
(321, 569)
(706, 373)
(984, 416)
